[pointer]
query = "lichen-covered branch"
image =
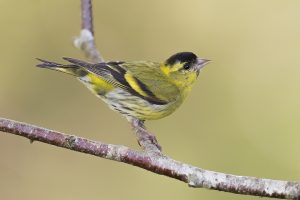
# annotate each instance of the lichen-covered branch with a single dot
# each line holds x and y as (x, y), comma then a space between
(158, 163)
(86, 41)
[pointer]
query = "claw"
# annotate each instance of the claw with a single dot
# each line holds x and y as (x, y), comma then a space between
(143, 135)
(149, 137)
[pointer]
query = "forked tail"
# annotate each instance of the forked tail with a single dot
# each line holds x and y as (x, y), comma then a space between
(72, 69)
(48, 64)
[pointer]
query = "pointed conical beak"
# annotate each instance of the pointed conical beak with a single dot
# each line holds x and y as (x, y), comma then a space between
(201, 62)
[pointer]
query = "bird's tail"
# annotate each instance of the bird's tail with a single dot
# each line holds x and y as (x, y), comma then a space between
(72, 69)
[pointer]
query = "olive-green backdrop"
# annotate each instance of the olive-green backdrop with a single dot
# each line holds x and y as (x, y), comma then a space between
(242, 116)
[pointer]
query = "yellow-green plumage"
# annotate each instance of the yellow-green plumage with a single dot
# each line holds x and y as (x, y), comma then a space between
(141, 90)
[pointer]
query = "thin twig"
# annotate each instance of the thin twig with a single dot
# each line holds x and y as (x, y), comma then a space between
(87, 15)
(86, 41)
(157, 163)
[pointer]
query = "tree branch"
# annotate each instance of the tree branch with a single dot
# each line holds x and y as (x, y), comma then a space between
(87, 15)
(157, 163)
(86, 41)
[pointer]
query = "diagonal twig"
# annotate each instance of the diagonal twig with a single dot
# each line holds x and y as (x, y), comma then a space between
(86, 41)
(87, 15)
(157, 163)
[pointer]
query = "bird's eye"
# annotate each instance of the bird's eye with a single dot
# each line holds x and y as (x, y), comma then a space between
(186, 66)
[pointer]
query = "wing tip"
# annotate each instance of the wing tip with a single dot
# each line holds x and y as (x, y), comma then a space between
(47, 64)
(77, 62)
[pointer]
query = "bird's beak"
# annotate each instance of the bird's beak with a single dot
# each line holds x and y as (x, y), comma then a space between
(201, 62)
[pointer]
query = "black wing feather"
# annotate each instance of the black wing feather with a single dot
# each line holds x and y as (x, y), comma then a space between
(114, 73)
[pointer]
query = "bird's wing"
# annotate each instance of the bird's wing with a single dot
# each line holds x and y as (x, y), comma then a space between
(142, 79)
(149, 74)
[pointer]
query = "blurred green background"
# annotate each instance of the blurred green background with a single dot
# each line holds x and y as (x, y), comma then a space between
(242, 116)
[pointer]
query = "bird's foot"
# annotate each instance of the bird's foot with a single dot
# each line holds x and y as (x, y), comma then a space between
(148, 137)
(145, 139)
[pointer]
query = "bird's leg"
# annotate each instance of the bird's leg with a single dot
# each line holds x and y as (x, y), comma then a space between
(145, 139)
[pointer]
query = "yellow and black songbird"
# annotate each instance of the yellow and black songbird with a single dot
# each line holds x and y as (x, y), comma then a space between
(139, 90)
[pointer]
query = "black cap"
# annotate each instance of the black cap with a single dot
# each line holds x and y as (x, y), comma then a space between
(182, 57)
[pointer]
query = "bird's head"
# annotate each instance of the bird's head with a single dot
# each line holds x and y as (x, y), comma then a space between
(183, 68)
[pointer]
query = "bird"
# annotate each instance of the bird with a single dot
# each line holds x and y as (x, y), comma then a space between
(139, 90)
